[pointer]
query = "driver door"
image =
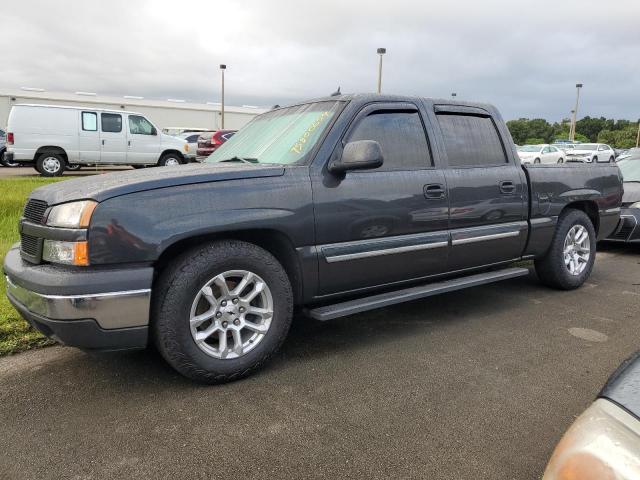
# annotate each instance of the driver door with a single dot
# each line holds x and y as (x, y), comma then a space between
(143, 141)
(386, 225)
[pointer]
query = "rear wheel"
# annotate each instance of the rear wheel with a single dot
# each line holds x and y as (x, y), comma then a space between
(169, 160)
(221, 310)
(6, 163)
(537, 160)
(569, 260)
(50, 165)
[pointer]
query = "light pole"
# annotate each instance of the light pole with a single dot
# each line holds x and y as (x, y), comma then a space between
(638, 136)
(571, 124)
(575, 111)
(381, 52)
(223, 67)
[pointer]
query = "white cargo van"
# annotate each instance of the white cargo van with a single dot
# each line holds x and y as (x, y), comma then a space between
(55, 138)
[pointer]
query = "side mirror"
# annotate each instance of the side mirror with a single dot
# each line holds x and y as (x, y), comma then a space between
(360, 155)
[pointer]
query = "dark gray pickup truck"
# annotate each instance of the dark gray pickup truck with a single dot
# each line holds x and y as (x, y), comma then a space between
(336, 206)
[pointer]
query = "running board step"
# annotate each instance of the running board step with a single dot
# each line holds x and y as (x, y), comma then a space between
(351, 307)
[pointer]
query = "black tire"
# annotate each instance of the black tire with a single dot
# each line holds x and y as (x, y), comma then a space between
(176, 290)
(138, 166)
(612, 160)
(561, 160)
(551, 268)
(168, 159)
(537, 160)
(595, 159)
(49, 171)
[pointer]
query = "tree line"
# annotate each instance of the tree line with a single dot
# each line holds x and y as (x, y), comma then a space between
(617, 133)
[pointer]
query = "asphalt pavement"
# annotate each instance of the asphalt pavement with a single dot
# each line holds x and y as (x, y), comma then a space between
(474, 384)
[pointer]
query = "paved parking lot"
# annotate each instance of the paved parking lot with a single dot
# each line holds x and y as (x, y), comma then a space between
(473, 384)
(31, 172)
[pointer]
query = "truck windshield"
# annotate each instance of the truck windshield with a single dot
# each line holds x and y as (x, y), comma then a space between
(630, 170)
(284, 136)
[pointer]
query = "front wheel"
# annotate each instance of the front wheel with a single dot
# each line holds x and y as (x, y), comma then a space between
(612, 160)
(221, 310)
(169, 160)
(537, 160)
(561, 160)
(570, 258)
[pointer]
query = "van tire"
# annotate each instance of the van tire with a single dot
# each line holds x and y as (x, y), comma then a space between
(551, 269)
(178, 288)
(169, 159)
(50, 165)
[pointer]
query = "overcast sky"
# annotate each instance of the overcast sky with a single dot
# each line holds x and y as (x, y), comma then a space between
(523, 56)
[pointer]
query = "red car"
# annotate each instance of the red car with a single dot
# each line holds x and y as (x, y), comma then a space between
(210, 141)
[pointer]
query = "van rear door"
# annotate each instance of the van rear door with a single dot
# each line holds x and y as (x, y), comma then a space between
(89, 138)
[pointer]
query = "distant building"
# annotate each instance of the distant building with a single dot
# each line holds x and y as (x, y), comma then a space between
(171, 114)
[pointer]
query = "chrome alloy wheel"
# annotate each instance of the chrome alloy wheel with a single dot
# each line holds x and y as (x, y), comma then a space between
(231, 314)
(171, 162)
(51, 165)
(577, 249)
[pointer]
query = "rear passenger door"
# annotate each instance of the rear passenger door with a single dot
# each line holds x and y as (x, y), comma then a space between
(386, 225)
(487, 189)
(112, 138)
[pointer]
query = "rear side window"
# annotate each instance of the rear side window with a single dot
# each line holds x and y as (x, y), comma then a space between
(192, 138)
(471, 141)
(227, 136)
(111, 122)
(400, 135)
(90, 121)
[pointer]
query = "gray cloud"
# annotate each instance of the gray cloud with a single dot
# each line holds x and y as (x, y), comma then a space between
(525, 57)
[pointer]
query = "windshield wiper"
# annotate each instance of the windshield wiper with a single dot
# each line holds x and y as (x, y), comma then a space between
(250, 161)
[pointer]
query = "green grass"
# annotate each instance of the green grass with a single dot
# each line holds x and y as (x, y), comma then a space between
(15, 333)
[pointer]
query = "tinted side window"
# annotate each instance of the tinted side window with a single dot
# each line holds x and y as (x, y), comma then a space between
(89, 121)
(192, 138)
(471, 140)
(111, 122)
(400, 135)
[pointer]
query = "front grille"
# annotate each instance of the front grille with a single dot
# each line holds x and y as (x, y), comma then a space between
(34, 210)
(29, 245)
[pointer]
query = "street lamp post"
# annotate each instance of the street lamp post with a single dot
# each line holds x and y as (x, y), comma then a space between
(381, 52)
(571, 124)
(638, 136)
(223, 67)
(575, 111)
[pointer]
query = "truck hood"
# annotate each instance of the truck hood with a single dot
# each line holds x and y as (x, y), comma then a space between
(631, 192)
(109, 185)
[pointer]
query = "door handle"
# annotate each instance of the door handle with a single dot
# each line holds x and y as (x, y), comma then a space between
(507, 187)
(434, 191)
(129, 143)
(102, 142)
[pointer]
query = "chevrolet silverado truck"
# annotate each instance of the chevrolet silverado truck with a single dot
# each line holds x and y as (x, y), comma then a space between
(332, 207)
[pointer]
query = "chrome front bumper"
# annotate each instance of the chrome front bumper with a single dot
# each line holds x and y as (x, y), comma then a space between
(110, 310)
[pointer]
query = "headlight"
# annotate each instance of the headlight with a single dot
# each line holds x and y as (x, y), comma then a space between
(635, 205)
(72, 215)
(69, 253)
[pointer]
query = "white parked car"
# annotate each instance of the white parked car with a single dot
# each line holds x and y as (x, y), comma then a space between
(591, 152)
(540, 154)
(192, 140)
(55, 138)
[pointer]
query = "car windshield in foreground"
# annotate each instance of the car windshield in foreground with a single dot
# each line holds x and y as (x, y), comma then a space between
(586, 146)
(630, 170)
(282, 136)
(530, 148)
